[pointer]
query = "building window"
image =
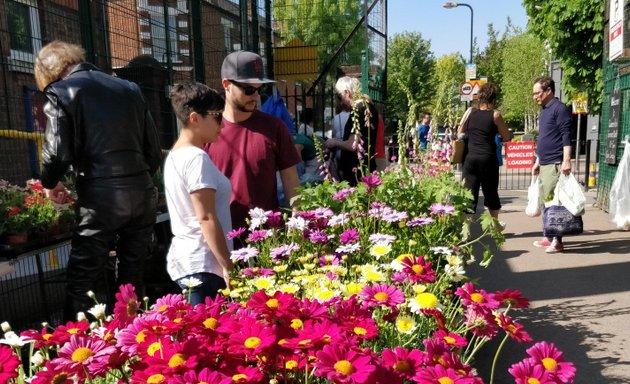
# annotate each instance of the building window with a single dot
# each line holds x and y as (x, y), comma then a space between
(227, 35)
(25, 36)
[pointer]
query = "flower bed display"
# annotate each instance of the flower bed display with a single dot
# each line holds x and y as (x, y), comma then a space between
(357, 285)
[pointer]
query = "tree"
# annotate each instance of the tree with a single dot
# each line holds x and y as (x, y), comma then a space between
(410, 81)
(518, 75)
(448, 108)
(574, 31)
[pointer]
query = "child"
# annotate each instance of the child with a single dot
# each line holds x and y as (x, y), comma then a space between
(198, 196)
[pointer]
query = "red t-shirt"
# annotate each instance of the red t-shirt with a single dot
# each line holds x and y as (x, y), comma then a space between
(249, 153)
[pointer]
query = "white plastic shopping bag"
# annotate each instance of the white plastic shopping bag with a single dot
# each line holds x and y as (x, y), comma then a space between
(619, 197)
(570, 194)
(533, 198)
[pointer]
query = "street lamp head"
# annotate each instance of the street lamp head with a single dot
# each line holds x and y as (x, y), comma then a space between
(450, 4)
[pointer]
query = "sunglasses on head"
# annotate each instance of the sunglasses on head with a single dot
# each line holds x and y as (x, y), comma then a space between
(218, 116)
(247, 89)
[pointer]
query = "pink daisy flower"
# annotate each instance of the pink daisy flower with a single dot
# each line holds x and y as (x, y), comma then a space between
(252, 338)
(341, 364)
(204, 376)
(63, 333)
(527, 372)
(342, 194)
(481, 322)
(371, 181)
(258, 235)
(235, 233)
(437, 374)
(404, 363)
(244, 375)
(418, 270)
(54, 373)
(476, 297)
(442, 209)
(83, 352)
(381, 295)
(512, 298)
(283, 251)
(8, 364)
(513, 329)
(451, 339)
(349, 236)
(550, 357)
(126, 307)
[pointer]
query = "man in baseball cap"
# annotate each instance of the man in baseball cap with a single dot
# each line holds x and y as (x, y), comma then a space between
(252, 145)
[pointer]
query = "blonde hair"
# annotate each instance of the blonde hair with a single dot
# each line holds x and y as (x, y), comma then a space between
(54, 59)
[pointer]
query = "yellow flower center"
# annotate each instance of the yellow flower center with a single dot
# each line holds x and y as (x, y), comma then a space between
(531, 380)
(417, 269)
(59, 379)
(163, 308)
(360, 331)
(239, 376)
(178, 320)
(449, 340)
(46, 336)
(381, 296)
(304, 342)
(354, 288)
(154, 379)
(141, 336)
(550, 364)
(296, 324)
(511, 329)
(211, 323)
(73, 331)
(273, 303)
(291, 364)
(427, 300)
(131, 307)
(402, 366)
(344, 367)
(476, 297)
(252, 342)
(202, 382)
(153, 348)
(81, 354)
(176, 360)
(404, 324)
(445, 380)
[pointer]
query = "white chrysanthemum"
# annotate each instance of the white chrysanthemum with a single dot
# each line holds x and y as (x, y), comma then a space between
(258, 217)
(340, 219)
(289, 288)
(425, 300)
(441, 250)
(38, 359)
(419, 288)
(348, 248)
(381, 238)
(379, 250)
(98, 311)
(352, 289)
(280, 268)
(323, 294)
(263, 282)
(372, 273)
(455, 272)
(454, 260)
(13, 340)
(297, 223)
(191, 282)
(405, 324)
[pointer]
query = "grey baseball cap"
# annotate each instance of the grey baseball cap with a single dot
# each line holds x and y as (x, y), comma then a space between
(244, 67)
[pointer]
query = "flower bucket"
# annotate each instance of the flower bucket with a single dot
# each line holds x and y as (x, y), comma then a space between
(16, 238)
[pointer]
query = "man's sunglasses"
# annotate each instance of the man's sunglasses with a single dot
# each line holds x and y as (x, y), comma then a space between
(218, 116)
(247, 89)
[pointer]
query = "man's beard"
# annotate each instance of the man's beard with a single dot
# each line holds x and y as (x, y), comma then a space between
(244, 107)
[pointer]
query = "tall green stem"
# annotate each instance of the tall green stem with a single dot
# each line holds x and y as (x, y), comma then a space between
(496, 357)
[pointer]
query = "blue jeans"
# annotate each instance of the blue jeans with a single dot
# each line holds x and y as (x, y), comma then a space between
(210, 286)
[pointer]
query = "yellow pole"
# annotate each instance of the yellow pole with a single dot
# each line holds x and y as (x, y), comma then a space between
(38, 137)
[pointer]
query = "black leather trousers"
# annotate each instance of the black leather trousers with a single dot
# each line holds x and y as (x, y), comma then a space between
(109, 218)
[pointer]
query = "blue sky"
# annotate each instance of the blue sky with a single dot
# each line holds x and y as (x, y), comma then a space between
(449, 29)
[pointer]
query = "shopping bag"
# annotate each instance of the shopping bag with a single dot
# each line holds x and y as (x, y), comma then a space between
(533, 198)
(558, 221)
(570, 194)
(619, 196)
(458, 147)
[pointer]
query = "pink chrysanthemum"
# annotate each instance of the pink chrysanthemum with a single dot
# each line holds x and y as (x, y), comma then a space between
(8, 364)
(342, 194)
(453, 340)
(283, 251)
(527, 372)
(258, 235)
(437, 374)
(83, 352)
(204, 376)
(343, 365)
(349, 236)
(126, 307)
(402, 362)
(513, 329)
(235, 233)
(371, 181)
(54, 373)
(244, 375)
(481, 322)
(63, 333)
(252, 338)
(512, 298)
(418, 270)
(476, 297)
(550, 357)
(381, 295)
(442, 209)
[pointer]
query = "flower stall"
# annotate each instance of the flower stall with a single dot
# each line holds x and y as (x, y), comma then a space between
(356, 285)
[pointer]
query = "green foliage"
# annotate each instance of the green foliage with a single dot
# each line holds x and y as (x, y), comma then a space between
(448, 108)
(519, 74)
(574, 31)
(410, 81)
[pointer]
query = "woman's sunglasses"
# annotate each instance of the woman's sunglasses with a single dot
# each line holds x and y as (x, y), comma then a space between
(218, 116)
(247, 89)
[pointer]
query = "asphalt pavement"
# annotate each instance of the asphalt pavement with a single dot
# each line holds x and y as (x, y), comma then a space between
(580, 299)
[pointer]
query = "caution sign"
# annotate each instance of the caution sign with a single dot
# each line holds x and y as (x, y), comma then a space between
(579, 105)
(519, 155)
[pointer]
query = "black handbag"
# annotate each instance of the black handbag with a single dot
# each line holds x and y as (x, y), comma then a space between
(558, 221)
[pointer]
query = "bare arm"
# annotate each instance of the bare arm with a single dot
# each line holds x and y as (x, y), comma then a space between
(290, 182)
(503, 129)
(566, 160)
(345, 145)
(203, 204)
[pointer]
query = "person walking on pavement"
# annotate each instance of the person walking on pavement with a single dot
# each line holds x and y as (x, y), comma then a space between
(553, 148)
(101, 126)
(252, 145)
(423, 130)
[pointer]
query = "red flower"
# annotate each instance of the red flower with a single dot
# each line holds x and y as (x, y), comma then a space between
(512, 298)
(8, 364)
(402, 362)
(550, 357)
(513, 329)
(12, 211)
(452, 339)
(126, 307)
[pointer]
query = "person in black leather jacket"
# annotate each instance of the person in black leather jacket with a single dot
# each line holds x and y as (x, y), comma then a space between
(101, 126)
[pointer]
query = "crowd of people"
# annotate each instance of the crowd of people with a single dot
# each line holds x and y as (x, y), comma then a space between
(229, 158)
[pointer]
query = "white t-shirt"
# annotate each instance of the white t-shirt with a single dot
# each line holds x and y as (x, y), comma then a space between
(187, 170)
(338, 127)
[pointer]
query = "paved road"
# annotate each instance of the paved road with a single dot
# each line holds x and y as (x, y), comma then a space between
(580, 299)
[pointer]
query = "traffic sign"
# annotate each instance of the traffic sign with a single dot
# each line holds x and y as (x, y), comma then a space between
(466, 88)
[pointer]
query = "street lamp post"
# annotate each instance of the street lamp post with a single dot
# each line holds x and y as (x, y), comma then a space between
(452, 4)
